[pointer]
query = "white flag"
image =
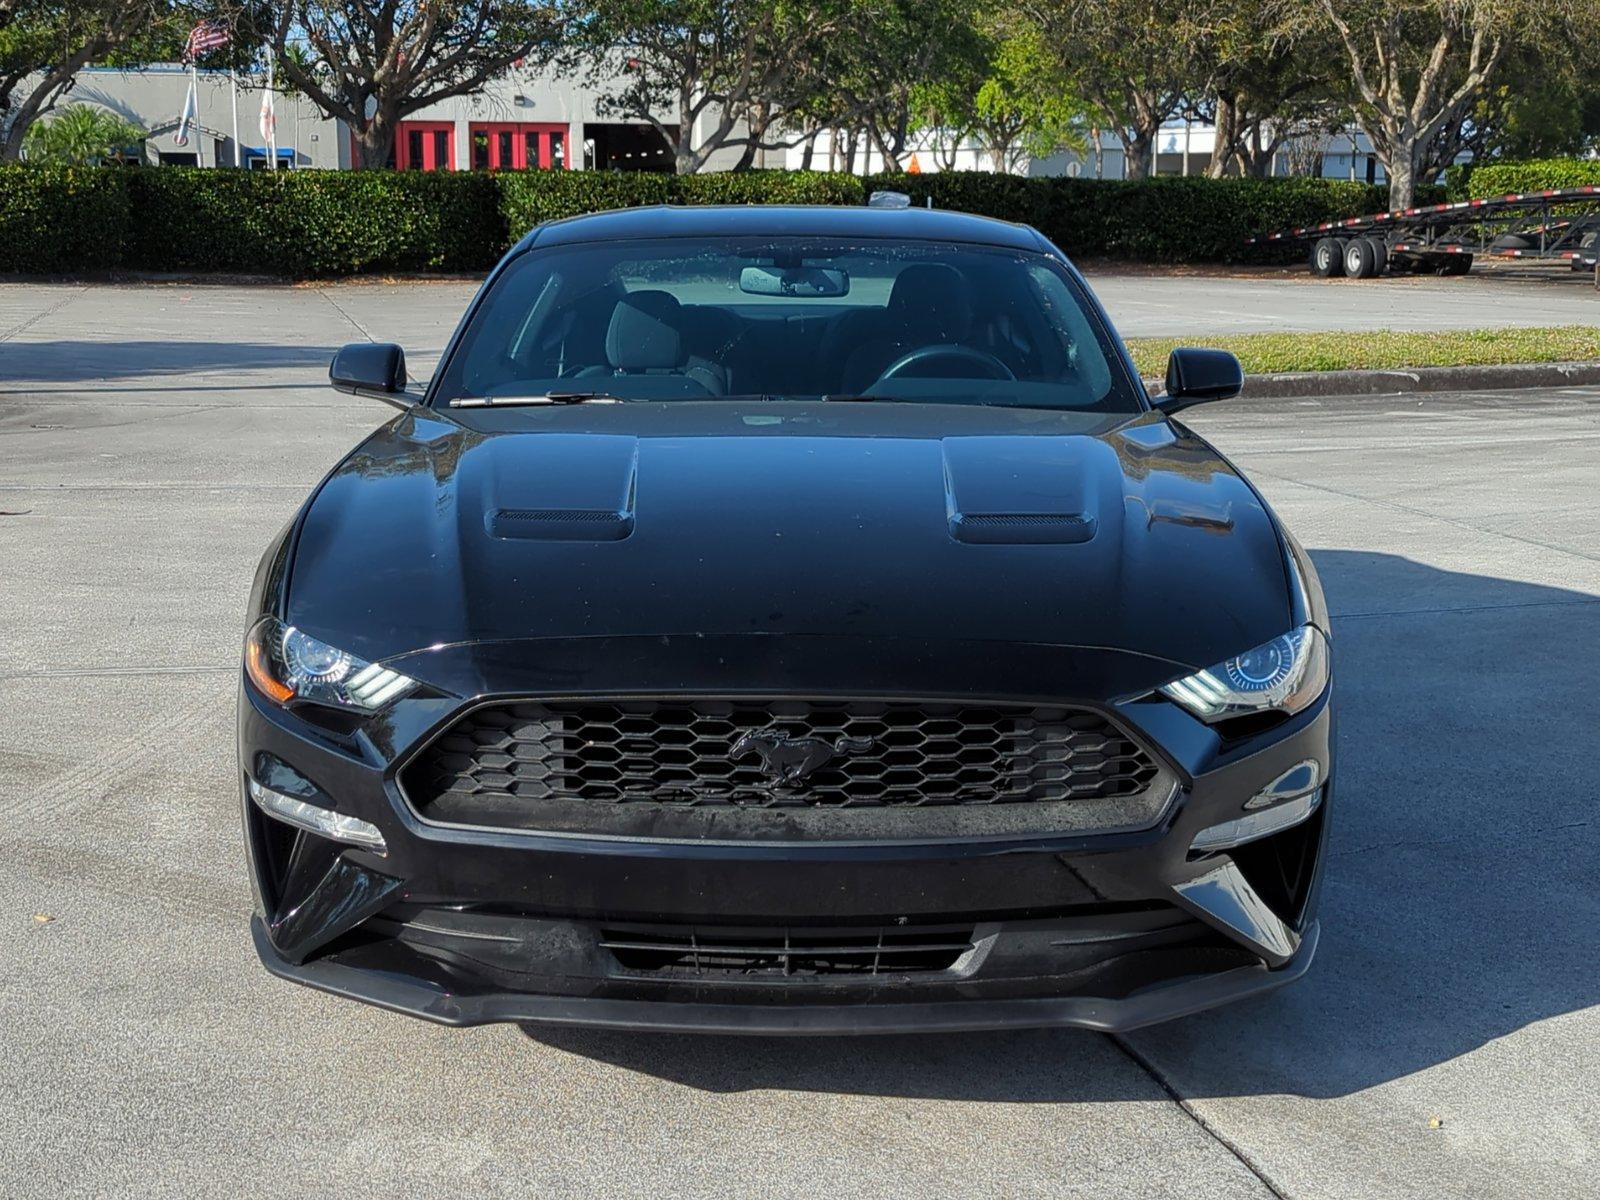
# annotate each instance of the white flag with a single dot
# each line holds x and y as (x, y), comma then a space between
(186, 121)
(269, 117)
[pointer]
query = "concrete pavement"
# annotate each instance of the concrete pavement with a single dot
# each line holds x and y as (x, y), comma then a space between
(1446, 1044)
(1176, 305)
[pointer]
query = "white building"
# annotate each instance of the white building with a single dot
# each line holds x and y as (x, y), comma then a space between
(532, 119)
(526, 119)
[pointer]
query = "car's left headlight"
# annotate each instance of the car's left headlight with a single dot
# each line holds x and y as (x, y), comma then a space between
(1283, 675)
(285, 663)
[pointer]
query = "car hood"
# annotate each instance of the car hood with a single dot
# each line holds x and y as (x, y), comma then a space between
(855, 521)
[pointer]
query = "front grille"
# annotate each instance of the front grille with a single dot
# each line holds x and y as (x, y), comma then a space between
(784, 953)
(777, 754)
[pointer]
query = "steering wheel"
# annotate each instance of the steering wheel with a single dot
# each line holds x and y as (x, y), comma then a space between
(993, 367)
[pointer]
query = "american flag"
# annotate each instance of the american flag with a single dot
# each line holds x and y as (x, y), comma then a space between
(207, 35)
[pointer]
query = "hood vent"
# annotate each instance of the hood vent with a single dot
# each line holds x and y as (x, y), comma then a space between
(560, 525)
(1021, 529)
(1020, 491)
(560, 487)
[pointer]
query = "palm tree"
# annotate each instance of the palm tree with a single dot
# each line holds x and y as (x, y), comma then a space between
(82, 135)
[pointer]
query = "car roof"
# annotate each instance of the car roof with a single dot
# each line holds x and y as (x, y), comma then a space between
(783, 220)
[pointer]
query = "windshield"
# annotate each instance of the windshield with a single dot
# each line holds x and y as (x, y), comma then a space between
(788, 318)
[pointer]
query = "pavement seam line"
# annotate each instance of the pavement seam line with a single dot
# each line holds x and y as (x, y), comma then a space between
(114, 672)
(1465, 608)
(339, 308)
(37, 317)
(1222, 1139)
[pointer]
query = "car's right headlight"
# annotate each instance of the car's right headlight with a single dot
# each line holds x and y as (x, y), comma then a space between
(285, 663)
(1283, 675)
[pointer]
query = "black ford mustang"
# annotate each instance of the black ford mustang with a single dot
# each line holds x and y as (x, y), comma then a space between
(786, 620)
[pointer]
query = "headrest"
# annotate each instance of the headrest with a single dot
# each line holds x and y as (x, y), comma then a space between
(643, 335)
(935, 298)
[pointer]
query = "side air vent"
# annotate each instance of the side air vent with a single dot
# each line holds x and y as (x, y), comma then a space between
(560, 525)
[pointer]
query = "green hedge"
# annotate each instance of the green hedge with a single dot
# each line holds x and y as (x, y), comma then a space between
(1534, 175)
(310, 223)
(59, 220)
(319, 223)
(531, 197)
(1166, 219)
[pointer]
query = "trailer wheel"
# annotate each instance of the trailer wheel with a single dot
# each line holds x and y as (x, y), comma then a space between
(1456, 264)
(1327, 258)
(1359, 260)
(1380, 255)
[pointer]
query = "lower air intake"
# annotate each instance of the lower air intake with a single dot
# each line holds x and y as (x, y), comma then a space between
(669, 951)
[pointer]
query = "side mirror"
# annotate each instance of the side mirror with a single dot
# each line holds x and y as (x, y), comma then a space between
(371, 369)
(1195, 376)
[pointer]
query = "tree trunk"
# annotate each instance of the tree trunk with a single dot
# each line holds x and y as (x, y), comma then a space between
(684, 160)
(810, 151)
(1222, 147)
(375, 142)
(891, 160)
(1139, 154)
(1400, 163)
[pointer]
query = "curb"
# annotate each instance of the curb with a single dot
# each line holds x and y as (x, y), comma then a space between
(1421, 379)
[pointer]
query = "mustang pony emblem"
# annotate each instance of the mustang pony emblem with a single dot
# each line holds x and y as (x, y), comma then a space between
(788, 760)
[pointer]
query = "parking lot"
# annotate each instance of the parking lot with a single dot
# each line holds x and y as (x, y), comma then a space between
(1446, 1043)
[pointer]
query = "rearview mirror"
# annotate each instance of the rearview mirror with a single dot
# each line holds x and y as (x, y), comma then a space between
(1195, 376)
(807, 282)
(371, 369)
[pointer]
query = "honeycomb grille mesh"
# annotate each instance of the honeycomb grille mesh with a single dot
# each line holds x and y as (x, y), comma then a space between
(773, 754)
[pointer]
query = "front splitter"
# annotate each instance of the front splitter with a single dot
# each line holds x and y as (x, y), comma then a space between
(1148, 1006)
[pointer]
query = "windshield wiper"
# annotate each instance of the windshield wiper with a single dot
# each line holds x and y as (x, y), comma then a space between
(546, 398)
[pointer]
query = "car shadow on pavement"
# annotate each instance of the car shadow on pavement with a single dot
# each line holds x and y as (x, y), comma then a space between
(82, 361)
(1459, 904)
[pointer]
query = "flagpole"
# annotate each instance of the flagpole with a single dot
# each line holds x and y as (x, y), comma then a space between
(199, 146)
(272, 127)
(233, 84)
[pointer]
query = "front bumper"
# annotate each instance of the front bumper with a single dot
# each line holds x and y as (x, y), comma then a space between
(1103, 931)
(417, 995)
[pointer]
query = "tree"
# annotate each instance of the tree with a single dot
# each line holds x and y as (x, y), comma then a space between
(1135, 61)
(1268, 85)
(879, 76)
(1418, 68)
(82, 135)
(372, 63)
(1010, 94)
(45, 43)
(711, 64)
(1550, 111)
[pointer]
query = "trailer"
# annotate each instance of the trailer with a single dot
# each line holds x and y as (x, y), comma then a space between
(1558, 225)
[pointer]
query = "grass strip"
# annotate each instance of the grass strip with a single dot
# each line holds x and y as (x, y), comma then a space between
(1382, 349)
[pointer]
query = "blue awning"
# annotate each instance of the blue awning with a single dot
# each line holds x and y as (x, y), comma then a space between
(261, 152)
